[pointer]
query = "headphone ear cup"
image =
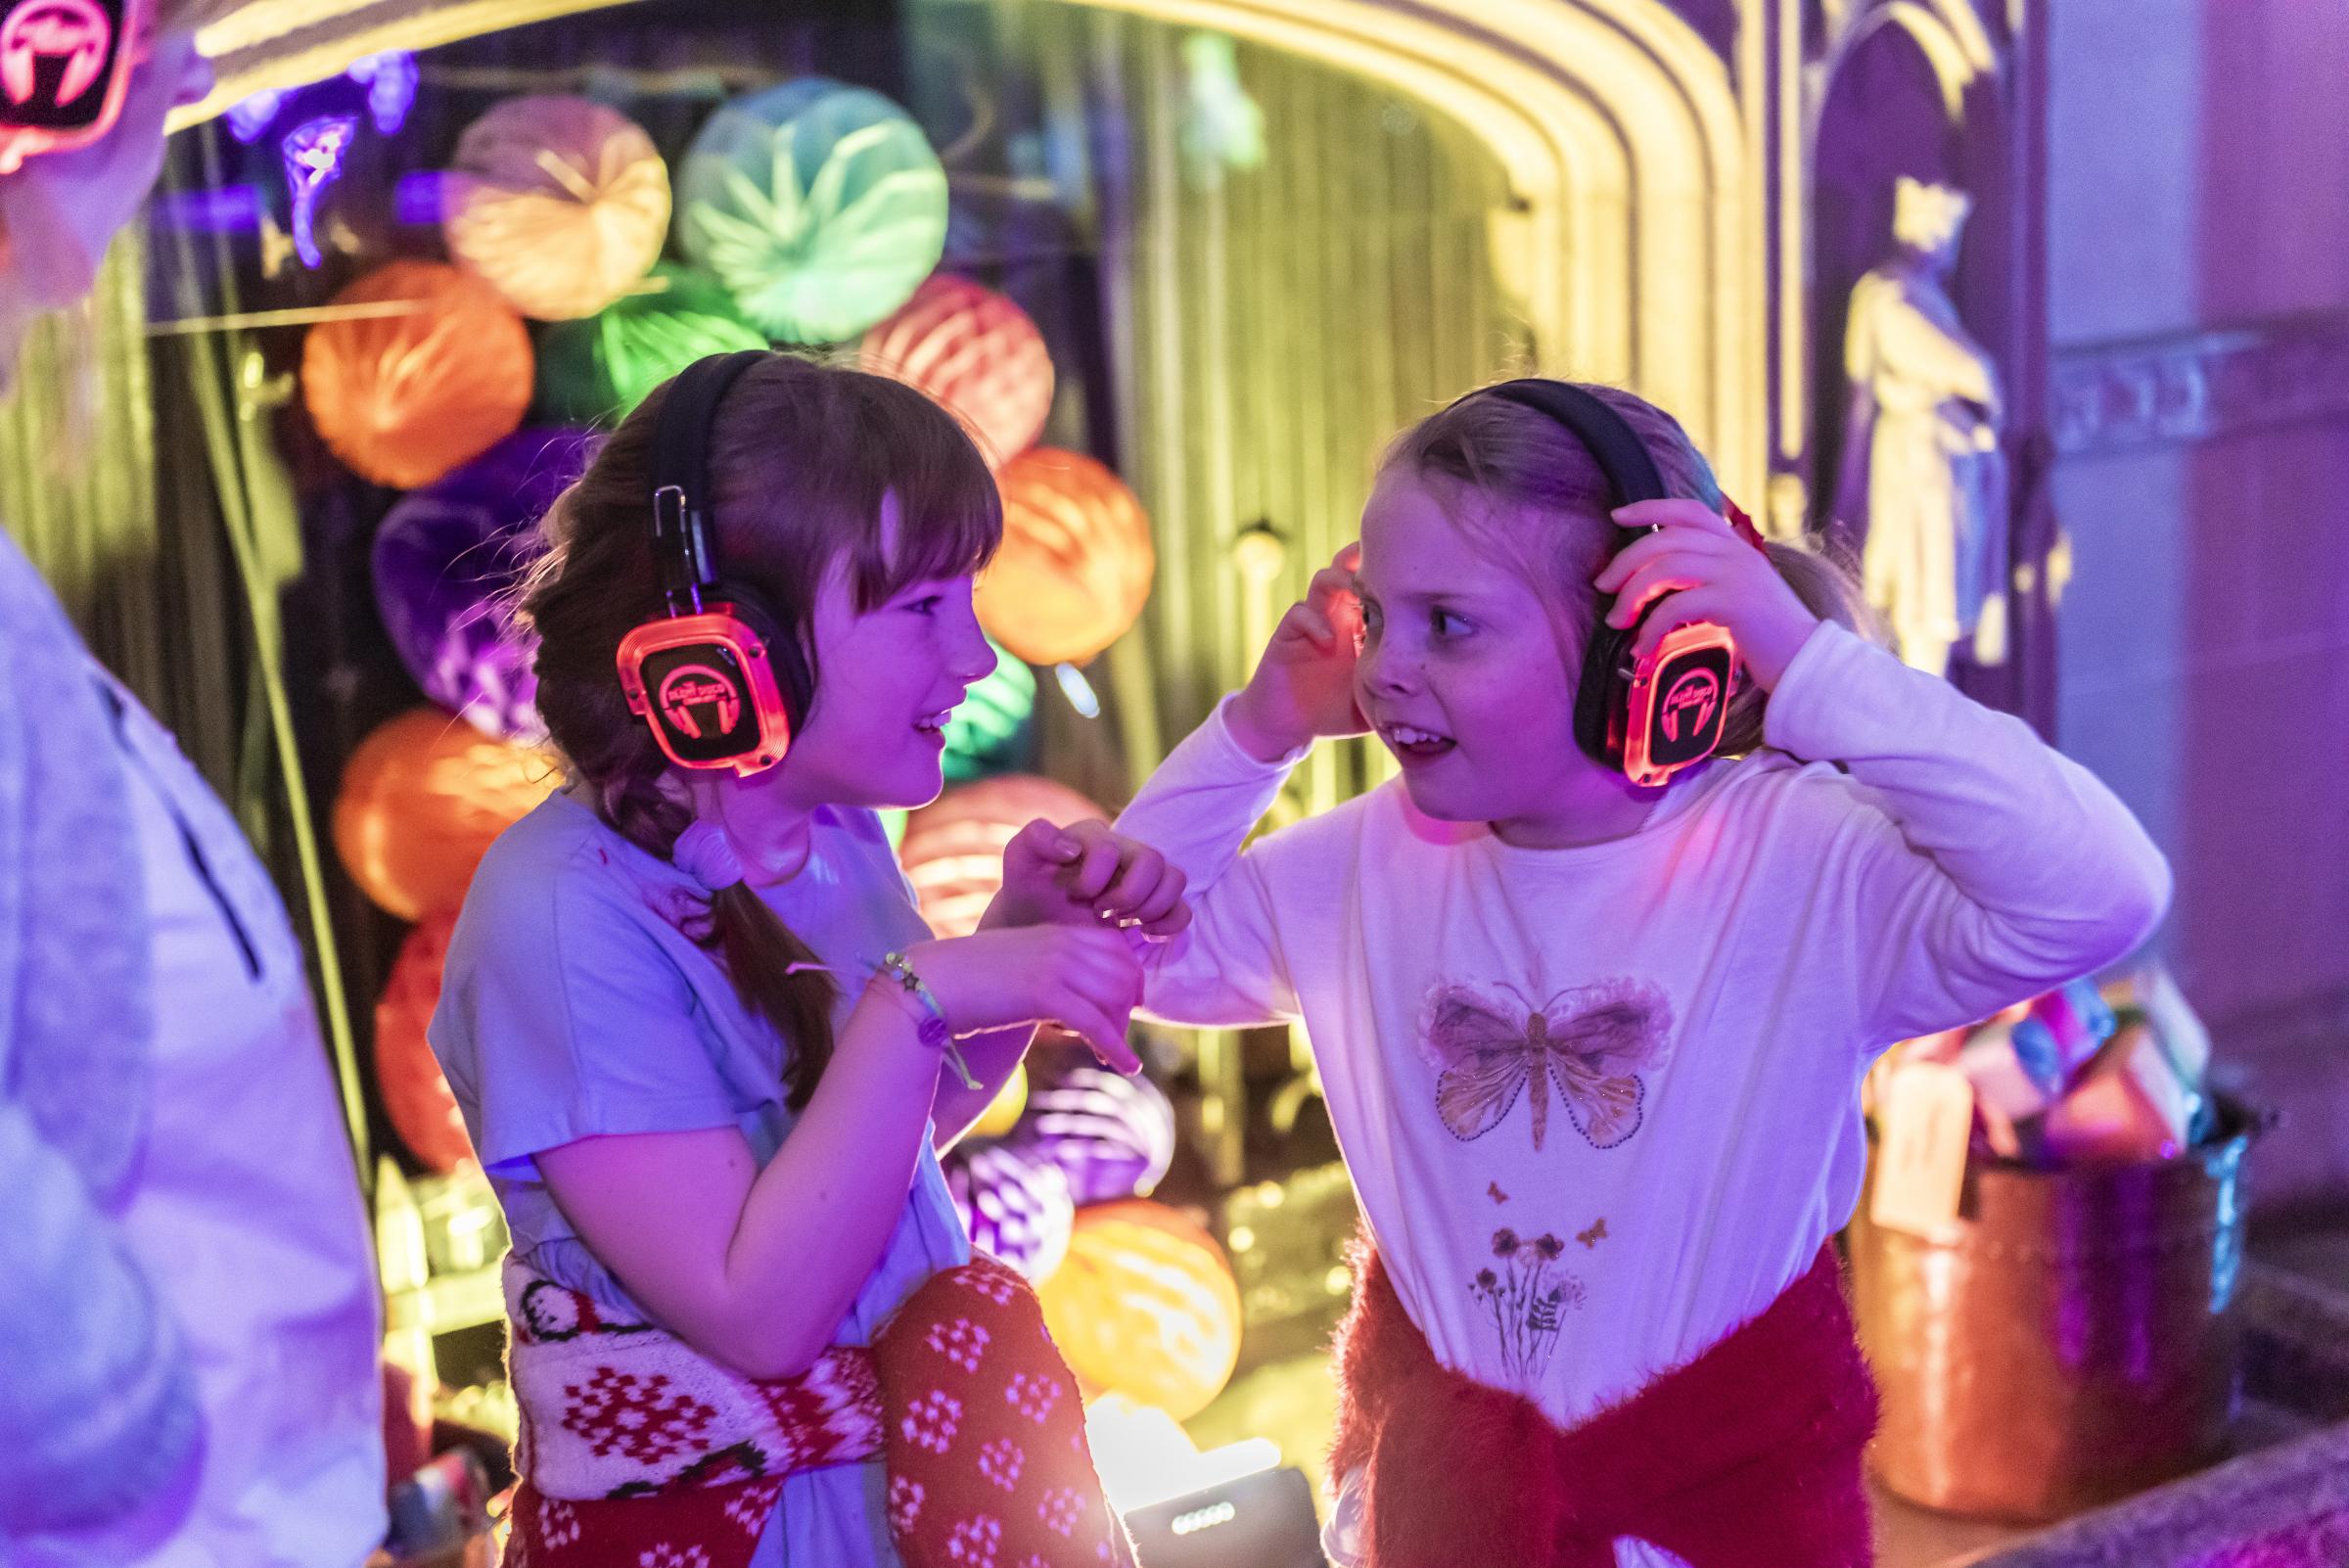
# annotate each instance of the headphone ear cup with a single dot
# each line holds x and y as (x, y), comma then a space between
(1602, 693)
(783, 652)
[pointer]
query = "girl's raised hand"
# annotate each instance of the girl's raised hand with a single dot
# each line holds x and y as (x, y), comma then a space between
(1088, 874)
(1303, 684)
(1710, 575)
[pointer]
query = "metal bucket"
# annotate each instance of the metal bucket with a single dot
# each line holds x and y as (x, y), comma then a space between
(2072, 1344)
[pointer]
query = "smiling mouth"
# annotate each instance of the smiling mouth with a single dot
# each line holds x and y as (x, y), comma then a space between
(1411, 744)
(933, 723)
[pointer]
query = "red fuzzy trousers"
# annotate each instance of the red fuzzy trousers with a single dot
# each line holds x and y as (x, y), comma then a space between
(1747, 1457)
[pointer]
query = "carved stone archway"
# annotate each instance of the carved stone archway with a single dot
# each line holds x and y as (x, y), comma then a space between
(1635, 244)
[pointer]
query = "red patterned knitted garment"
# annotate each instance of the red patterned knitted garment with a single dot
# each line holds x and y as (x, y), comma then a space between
(639, 1450)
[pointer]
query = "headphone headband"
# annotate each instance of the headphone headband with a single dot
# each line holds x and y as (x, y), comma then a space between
(1617, 448)
(705, 676)
(1649, 716)
(683, 541)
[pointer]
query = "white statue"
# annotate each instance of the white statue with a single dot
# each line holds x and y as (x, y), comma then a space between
(1924, 418)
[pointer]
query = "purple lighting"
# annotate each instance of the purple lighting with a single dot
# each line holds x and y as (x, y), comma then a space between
(416, 199)
(391, 81)
(231, 210)
(314, 153)
(248, 118)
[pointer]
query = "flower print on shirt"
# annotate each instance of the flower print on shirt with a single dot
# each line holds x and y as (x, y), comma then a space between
(1591, 1042)
(1527, 1296)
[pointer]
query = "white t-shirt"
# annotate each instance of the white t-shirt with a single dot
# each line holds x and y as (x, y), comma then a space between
(245, 1211)
(1705, 994)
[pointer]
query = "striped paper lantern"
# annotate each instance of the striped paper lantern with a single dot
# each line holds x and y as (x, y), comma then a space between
(1145, 1306)
(1016, 1208)
(977, 354)
(1075, 567)
(953, 850)
(558, 202)
(416, 1096)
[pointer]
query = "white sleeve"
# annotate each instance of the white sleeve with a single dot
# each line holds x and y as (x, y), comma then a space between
(1982, 868)
(1225, 969)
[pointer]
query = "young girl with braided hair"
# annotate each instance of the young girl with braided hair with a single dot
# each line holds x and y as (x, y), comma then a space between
(707, 1049)
(1593, 1048)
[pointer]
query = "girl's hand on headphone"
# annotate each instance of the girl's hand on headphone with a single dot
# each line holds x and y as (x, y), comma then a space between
(1088, 874)
(1304, 686)
(1087, 981)
(1710, 575)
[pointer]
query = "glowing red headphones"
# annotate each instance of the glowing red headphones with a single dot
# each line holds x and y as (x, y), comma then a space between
(64, 67)
(704, 675)
(1655, 716)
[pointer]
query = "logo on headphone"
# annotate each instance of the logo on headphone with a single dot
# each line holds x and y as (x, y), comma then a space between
(75, 31)
(1698, 689)
(691, 686)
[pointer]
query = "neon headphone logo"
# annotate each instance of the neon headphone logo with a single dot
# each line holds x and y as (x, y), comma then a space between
(691, 686)
(1699, 689)
(75, 31)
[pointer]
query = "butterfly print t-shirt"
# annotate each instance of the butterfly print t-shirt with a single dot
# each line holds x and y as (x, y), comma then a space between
(1602, 1103)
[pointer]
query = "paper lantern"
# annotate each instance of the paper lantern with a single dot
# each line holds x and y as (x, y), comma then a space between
(1112, 1135)
(559, 202)
(592, 372)
(416, 1096)
(1002, 1113)
(447, 558)
(993, 729)
(974, 353)
(1015, 1207)
(953, 850)
(821, 207)
(1144, 1305)
(422, 798)
(406, 396)
(1075, 569)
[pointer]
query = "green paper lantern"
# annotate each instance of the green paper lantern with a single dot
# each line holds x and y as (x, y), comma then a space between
(820, 206)
(593, 371)
(991, 732)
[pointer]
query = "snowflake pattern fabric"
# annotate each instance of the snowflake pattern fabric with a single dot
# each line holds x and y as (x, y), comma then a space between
(641, 1453)
(990, 1437)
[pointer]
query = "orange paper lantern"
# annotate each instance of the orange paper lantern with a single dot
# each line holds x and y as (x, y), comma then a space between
(406, 396)
(558, 202)
(422, 798)
(953, 850)
(415, 1094)
(1145, 1306)
(1076, 564)
(977, 354)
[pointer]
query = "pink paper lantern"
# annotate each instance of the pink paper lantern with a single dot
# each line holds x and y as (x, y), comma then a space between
(975, 353)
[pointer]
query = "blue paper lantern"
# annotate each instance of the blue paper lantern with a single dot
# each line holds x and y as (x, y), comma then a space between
(821, 207)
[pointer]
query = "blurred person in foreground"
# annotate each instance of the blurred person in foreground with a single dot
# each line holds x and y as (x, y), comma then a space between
(188, 1311)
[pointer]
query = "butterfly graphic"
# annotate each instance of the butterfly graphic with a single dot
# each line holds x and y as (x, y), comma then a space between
(1592, 1043)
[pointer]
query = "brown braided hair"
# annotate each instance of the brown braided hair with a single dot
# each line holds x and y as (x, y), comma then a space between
(801, 456)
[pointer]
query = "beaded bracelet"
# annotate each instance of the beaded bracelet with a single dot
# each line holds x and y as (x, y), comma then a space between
(932, 1030)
